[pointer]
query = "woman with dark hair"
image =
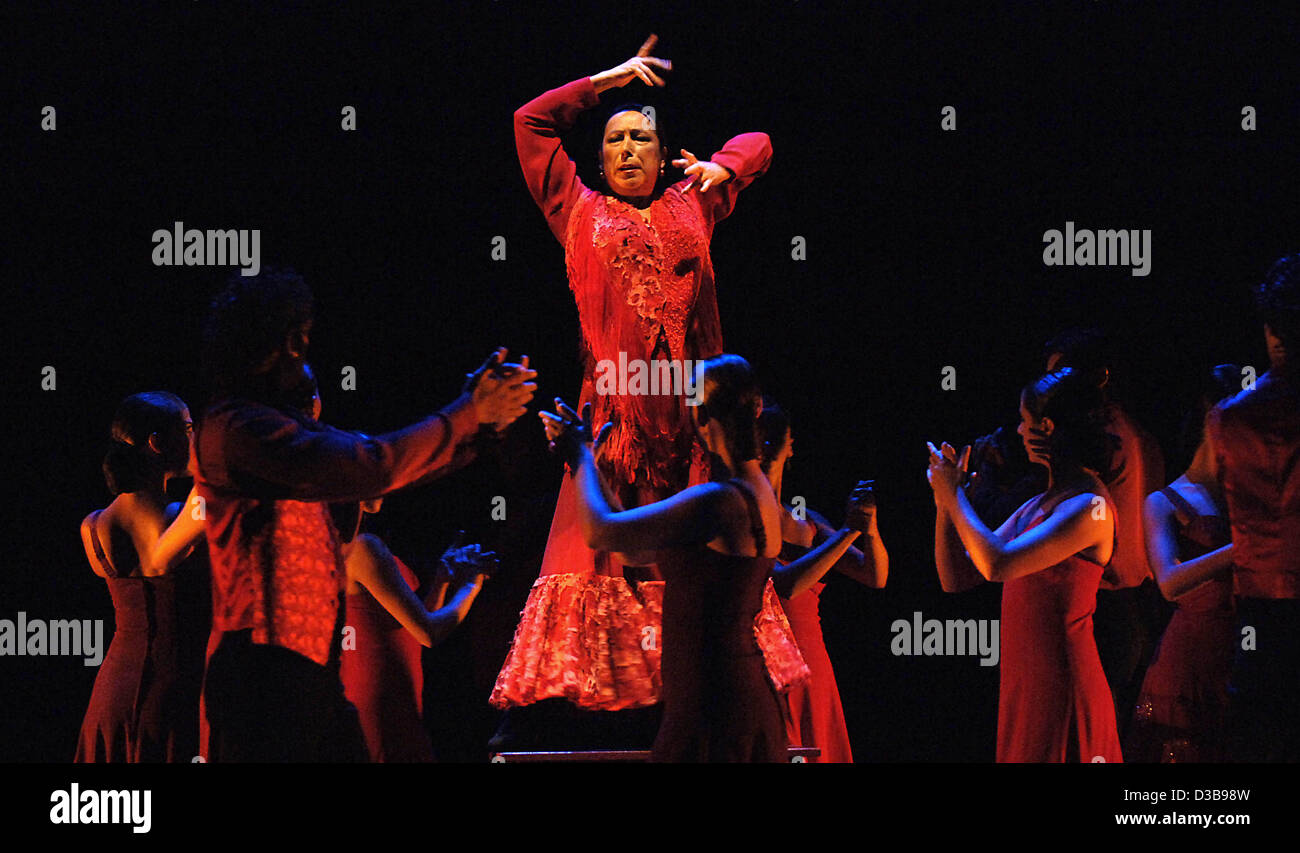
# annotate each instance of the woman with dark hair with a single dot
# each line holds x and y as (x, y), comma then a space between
(144, 706)
(1181, 712)
(814, 715)
(716, 543)
(1130, 614)
(637, 256)
(1053, 701)
(393, 619)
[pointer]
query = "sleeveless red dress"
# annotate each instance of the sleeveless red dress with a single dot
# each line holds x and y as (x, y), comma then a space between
(1054, 704)
(383, 677)
(644, 291)
(815, 715)
(1181, 714)
(144, 705)
(718, 703)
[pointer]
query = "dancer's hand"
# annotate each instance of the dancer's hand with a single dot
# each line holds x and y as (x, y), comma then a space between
(500, 391)
(705, 173)
(568, 433)
(860, 514)
(1040, 443)
(947, 471)
(467, 563)
(641, 67)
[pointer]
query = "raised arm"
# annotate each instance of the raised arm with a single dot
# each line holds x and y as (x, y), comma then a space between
(1177, 578)
(957, 573)
(799, 575)
(550, 174)
(741, 160)
(1072, 527)
(869, 566)
(273, 455)
(372, 565)
(176, 542)
(689, 517)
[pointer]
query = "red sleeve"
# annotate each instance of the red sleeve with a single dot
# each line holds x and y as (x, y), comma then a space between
(747, 157)
(265, 453)
(551, 176)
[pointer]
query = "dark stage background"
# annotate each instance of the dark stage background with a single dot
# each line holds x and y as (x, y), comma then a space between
(924, 250)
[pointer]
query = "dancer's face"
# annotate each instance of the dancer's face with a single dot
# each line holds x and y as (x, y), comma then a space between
(1276, 348)
(787, 450)
(290, 366)
(1035, 428)
(630, 154)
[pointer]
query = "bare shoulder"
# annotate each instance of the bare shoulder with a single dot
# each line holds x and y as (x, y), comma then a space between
(88, 530)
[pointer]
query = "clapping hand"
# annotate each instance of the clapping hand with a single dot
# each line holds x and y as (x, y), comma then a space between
(467, 563)
(500, 391)
(860, 514)
(948, 470)
(568, 433)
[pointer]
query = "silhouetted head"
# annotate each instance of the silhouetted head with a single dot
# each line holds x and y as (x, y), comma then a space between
(256, 335)
(777, 441)
(1067, 410)
(730, 401)
(152, 437)
(1216, 385)
(1090, 352)
(1277, 299)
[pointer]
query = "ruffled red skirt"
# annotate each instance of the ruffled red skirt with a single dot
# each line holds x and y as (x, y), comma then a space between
(595, 640)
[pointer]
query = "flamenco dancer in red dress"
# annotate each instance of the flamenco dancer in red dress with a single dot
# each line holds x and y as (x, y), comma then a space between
(1182, 711)
(717, 543)
(144, 706)
(637, 256)
(814, 715)
(1054, 704)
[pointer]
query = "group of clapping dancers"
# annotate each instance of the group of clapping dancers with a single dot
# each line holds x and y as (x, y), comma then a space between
(674, 576)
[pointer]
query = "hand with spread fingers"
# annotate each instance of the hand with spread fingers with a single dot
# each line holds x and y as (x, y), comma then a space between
(703, 173)
(467, 563)
(643, 67)
(570, 435)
